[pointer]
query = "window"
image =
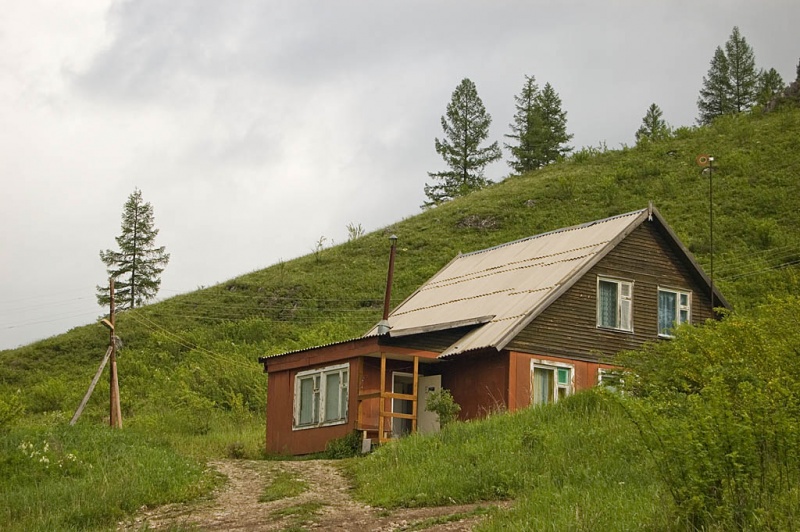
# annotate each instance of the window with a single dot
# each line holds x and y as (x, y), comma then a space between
(550, 382)
(674, 308)
(320, 397)
(615, 304)
(611, 379)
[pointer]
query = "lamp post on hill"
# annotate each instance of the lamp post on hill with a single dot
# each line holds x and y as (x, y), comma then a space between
(707, 163)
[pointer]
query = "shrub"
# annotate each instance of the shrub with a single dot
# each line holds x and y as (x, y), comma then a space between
(10, 409)
(443, 405)
(719, 409)
(345, 447)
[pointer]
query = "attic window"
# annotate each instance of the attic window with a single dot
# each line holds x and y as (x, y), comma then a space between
(320, 397)
(615, 304)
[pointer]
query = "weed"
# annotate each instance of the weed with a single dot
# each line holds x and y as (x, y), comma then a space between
(283, 486)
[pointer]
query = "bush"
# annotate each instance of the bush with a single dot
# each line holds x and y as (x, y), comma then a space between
(719, 409)
(345, 447)
(10, 409)
(443, 405)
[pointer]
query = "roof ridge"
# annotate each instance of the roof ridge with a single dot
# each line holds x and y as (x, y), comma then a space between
(555, 231)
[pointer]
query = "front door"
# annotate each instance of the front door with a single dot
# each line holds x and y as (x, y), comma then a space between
(427, 422)
(402, 383)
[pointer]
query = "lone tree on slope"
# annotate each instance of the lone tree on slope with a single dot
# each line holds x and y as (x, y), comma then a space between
(138, 264)
(653, 125)
(466, 126)
(731, 85)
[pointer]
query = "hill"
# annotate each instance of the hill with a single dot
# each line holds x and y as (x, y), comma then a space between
(188, 368)
(199, 350)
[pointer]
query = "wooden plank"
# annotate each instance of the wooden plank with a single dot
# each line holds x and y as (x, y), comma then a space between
(96, 378)
(398, 415)
(414, 393)
(382, 407)
(401, 396)
(369, 395)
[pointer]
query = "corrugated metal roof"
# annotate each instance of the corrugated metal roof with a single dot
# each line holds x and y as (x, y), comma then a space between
(510, 283)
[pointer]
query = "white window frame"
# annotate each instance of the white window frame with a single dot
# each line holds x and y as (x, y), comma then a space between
(623, 302)
(615, 376)
(679, 307)
(319, 417)
(549, 365)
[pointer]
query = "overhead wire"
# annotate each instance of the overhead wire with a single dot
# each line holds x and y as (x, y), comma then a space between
(184, 342)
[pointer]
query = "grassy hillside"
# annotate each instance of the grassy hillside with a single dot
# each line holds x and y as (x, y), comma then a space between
(188, 369)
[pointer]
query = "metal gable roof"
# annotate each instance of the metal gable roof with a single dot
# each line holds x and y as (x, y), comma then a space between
(506, 286)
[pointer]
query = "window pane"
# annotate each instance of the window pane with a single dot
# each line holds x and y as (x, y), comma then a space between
(563, 376)
(306, 402)
(542, 386)
(666, 311)
(607, 292)
(684, 316)
(684, 300)
(332, 396)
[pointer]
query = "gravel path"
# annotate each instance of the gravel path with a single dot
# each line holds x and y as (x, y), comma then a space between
(325, 505)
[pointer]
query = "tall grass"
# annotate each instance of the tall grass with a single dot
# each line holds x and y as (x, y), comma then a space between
(575, 465)
(59, 477)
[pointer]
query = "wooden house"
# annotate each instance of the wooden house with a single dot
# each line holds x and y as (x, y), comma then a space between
(522, 323)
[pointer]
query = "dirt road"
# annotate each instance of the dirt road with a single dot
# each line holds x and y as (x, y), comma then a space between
(325, 505)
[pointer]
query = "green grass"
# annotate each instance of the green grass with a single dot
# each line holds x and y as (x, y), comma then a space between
(189, 372)
(575, 465)
(87, 478)
(283, 486)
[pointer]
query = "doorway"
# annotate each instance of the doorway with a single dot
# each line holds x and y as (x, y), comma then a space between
(402, 383)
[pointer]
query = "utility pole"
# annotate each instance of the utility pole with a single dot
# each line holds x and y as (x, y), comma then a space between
(115, 416)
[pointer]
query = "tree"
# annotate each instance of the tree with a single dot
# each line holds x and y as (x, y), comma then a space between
(138, 264)
(731, 84)
(466, 126)
(715, 95)
(743, 73)
(549, 136)
(653, 125)
(770, 84)
(526, 120)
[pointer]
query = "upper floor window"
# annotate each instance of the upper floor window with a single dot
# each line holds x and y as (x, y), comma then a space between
(320, 396)
(615, 304)
(674, 308)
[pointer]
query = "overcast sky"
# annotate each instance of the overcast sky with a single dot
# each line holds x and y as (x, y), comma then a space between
(254, 128)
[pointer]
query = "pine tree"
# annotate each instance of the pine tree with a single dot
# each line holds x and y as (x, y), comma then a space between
(466, 126)
(526, 121)
(653, 125)
(770, 84)
(743, 73)
(716, 93)
(731, 84)
(137, 266)
(549, 135)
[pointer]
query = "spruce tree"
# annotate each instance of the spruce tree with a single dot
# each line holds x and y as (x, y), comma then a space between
(653, 125)
(466, 126)
(743, 73)
(526, 120)
(770, 84)
(138, 264)
(732, 82)
(549, 135)
(715, 96)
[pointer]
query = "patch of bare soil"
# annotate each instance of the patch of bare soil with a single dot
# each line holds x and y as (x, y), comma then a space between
(325, 505)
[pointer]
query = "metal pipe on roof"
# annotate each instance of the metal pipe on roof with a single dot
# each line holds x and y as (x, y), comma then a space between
(383, 326)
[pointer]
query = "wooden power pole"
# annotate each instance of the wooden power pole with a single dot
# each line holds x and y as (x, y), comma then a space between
(115, 417)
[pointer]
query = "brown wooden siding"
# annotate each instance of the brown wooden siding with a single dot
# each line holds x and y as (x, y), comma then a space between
(568, 328)
(478, 383)
(281, 439)
(436, 341)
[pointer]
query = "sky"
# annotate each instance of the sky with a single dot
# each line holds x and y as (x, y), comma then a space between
(254, 128)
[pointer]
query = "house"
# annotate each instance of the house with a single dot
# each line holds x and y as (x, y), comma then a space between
(522, 323)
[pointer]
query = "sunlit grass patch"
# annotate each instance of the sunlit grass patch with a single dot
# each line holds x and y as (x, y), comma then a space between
(284, 485)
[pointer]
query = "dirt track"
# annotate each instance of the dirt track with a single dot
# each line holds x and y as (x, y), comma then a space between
(235, 506)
